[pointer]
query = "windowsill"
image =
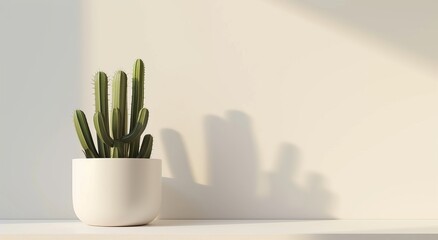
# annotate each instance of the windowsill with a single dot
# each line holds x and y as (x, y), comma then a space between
(224, 229)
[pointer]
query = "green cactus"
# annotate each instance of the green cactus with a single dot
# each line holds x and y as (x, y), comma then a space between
(146, 147)
(137, 102)
(101, 99)
(117, 141)
(84, 134)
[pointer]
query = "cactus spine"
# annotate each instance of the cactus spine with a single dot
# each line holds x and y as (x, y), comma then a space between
(118, 142)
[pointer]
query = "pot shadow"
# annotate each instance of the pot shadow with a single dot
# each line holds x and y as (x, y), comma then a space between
(235, 178)
(203, 222)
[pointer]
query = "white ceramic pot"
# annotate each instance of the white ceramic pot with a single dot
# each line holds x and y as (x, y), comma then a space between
(116, 191)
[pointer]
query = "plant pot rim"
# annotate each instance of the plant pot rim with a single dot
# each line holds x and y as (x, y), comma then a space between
(116, 159)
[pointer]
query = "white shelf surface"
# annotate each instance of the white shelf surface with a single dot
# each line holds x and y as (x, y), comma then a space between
(225, 229)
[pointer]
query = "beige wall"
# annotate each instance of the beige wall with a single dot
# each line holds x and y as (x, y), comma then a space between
(283, 109)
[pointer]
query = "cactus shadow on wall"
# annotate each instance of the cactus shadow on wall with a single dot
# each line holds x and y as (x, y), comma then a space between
(235, 178)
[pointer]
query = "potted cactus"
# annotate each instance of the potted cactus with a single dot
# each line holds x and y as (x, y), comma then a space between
(117, 183)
